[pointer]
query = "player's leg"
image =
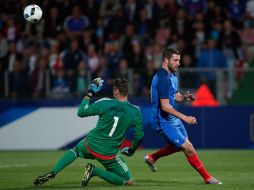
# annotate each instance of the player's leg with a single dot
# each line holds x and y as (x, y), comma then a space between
(165, 151)
(69, 157)
(195, 162)
(64, 161)
(119, 167)
(170, 148)
(150, 159)
(190, 153)
(116, 172)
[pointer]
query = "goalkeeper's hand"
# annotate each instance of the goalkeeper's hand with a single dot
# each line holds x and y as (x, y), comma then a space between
(128, 151)
(95, 86)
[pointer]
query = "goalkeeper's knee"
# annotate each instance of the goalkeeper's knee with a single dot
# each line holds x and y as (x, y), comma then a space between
(128, 183)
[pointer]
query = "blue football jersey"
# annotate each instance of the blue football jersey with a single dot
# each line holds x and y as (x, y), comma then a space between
(164, 86)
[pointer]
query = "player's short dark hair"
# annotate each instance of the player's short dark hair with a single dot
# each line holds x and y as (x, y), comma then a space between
(168, 52)
(122, 85)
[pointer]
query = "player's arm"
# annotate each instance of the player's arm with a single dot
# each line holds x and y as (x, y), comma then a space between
(163, 86)
(186, 97)
(166, 107)
(138, 132)
(85, 109)
(138, 136)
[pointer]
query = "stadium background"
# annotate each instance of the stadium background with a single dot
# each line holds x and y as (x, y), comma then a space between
(46, 67)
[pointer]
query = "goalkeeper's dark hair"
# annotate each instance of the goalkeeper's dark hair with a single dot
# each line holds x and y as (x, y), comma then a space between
(168, 52)
(122, 85)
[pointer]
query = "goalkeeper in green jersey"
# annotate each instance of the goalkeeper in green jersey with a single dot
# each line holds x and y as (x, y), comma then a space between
(102, 143)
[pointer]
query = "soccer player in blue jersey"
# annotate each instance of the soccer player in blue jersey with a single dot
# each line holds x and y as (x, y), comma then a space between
(166, 120)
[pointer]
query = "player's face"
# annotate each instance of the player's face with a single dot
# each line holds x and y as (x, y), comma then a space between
(174, 62)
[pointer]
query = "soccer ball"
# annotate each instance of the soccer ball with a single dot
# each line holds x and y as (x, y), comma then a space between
(32, 13)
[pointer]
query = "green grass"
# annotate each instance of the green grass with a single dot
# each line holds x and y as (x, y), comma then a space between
(235, 168)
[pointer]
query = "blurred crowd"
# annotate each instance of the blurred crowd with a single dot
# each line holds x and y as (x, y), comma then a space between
(110, 38)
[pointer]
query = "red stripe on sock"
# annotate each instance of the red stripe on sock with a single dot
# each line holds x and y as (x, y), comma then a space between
(197, 164)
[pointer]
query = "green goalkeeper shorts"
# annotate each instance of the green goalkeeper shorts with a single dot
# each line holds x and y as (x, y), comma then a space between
(116, 165)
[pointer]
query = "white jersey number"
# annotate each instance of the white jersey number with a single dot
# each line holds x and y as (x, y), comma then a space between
(114, 126)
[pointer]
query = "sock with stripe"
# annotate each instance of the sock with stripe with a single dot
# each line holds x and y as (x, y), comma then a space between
(64, 161)
(166, 150)
(197, 164)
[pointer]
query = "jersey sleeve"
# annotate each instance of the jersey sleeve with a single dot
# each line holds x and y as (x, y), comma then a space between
(138, 131)
(163, 86)
(85, 109)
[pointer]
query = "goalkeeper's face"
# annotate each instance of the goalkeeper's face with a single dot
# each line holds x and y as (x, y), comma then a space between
(174, 62)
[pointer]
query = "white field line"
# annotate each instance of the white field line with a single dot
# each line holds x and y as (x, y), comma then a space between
(27, 165)
(14, 166)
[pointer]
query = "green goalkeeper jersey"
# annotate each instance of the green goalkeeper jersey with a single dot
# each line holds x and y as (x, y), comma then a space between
(115, 118)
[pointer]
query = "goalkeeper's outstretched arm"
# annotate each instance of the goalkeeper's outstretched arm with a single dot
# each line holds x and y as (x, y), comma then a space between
(89, 110)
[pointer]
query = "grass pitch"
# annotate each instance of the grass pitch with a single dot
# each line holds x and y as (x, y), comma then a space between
(235, 168)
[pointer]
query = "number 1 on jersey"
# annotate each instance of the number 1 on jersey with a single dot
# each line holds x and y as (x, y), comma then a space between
(114, 126)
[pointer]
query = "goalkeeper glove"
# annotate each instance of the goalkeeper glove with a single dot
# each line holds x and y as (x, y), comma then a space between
(95, 86)
(128, 151)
